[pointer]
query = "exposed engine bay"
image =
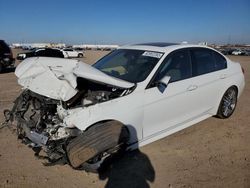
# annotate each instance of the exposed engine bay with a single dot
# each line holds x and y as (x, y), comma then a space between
(91, 93)
(40, 125)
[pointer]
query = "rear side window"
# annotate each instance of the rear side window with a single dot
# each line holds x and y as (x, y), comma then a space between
(203, 61)
(220, 61)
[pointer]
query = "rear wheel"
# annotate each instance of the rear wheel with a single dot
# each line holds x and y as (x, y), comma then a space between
(99, 142)
(228, 103)
(80, 55)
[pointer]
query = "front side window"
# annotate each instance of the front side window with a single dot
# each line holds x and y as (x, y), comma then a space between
(177, 65)
(129, 65)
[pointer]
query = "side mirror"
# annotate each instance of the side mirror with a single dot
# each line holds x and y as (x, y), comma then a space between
(163, 83)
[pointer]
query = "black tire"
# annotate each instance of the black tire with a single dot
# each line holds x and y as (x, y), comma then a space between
(95, 141)
(80, 55)
(228, 103)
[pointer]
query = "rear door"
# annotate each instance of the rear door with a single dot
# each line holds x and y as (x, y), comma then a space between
(208, 69)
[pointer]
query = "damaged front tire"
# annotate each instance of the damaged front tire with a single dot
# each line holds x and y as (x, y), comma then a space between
(101, 141)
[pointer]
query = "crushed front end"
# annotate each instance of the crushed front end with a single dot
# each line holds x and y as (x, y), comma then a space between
(54, 89)
(39, 125)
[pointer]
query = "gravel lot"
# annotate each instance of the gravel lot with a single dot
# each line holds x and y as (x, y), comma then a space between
(213, 153)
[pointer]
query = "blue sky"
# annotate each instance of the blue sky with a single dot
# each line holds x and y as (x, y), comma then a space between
(126, 21)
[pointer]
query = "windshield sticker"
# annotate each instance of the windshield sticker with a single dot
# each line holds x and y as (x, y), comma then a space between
(152, 54)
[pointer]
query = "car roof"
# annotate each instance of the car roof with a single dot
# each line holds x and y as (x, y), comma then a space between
(162, 46)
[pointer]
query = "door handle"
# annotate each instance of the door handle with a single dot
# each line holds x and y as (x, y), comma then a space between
(223, 76)
(192, 87)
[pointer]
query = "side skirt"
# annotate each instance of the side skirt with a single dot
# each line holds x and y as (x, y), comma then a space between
(167, 132)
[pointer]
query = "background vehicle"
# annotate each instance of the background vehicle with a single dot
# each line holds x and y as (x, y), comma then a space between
(133, 96)
(226, 51)
(69, 53)
(6, 57)
(246, 52)
(41, 52)
(237, 52)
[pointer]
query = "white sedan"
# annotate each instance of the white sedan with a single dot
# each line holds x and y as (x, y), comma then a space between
(237, 52)
(69, 53)
(135, 95)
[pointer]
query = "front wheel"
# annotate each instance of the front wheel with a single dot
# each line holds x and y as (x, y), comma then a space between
(97, 143)
(228, 103)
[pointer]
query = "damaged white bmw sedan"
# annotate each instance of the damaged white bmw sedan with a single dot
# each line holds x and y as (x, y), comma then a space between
(133, 96)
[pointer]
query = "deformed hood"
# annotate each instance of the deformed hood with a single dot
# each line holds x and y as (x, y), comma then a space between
(56, 77)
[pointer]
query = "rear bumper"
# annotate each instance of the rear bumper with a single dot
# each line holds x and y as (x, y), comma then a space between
(241, 86)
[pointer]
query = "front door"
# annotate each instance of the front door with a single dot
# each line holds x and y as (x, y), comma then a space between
(163, 111)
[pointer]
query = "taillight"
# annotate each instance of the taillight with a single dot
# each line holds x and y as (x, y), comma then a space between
(243, 70)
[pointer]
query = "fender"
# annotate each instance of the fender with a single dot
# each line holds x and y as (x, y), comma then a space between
(116, 109)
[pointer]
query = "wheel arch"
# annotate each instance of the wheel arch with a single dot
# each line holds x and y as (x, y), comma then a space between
(93, 142)
(219, 102)
(237, 89)
(217, 106)
(233, 86)
(133, 135)
(102, 121)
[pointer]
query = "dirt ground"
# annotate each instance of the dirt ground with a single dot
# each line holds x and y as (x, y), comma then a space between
(213, 153)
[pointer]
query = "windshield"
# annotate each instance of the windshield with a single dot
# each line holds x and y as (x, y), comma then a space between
(130, 65)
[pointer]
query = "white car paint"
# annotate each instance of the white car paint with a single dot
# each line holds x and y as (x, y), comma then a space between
(151, 113)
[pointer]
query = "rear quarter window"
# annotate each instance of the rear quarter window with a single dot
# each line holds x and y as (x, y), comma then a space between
(220, 61)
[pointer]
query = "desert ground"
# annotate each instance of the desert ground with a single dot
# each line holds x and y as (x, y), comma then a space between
(212, 153)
